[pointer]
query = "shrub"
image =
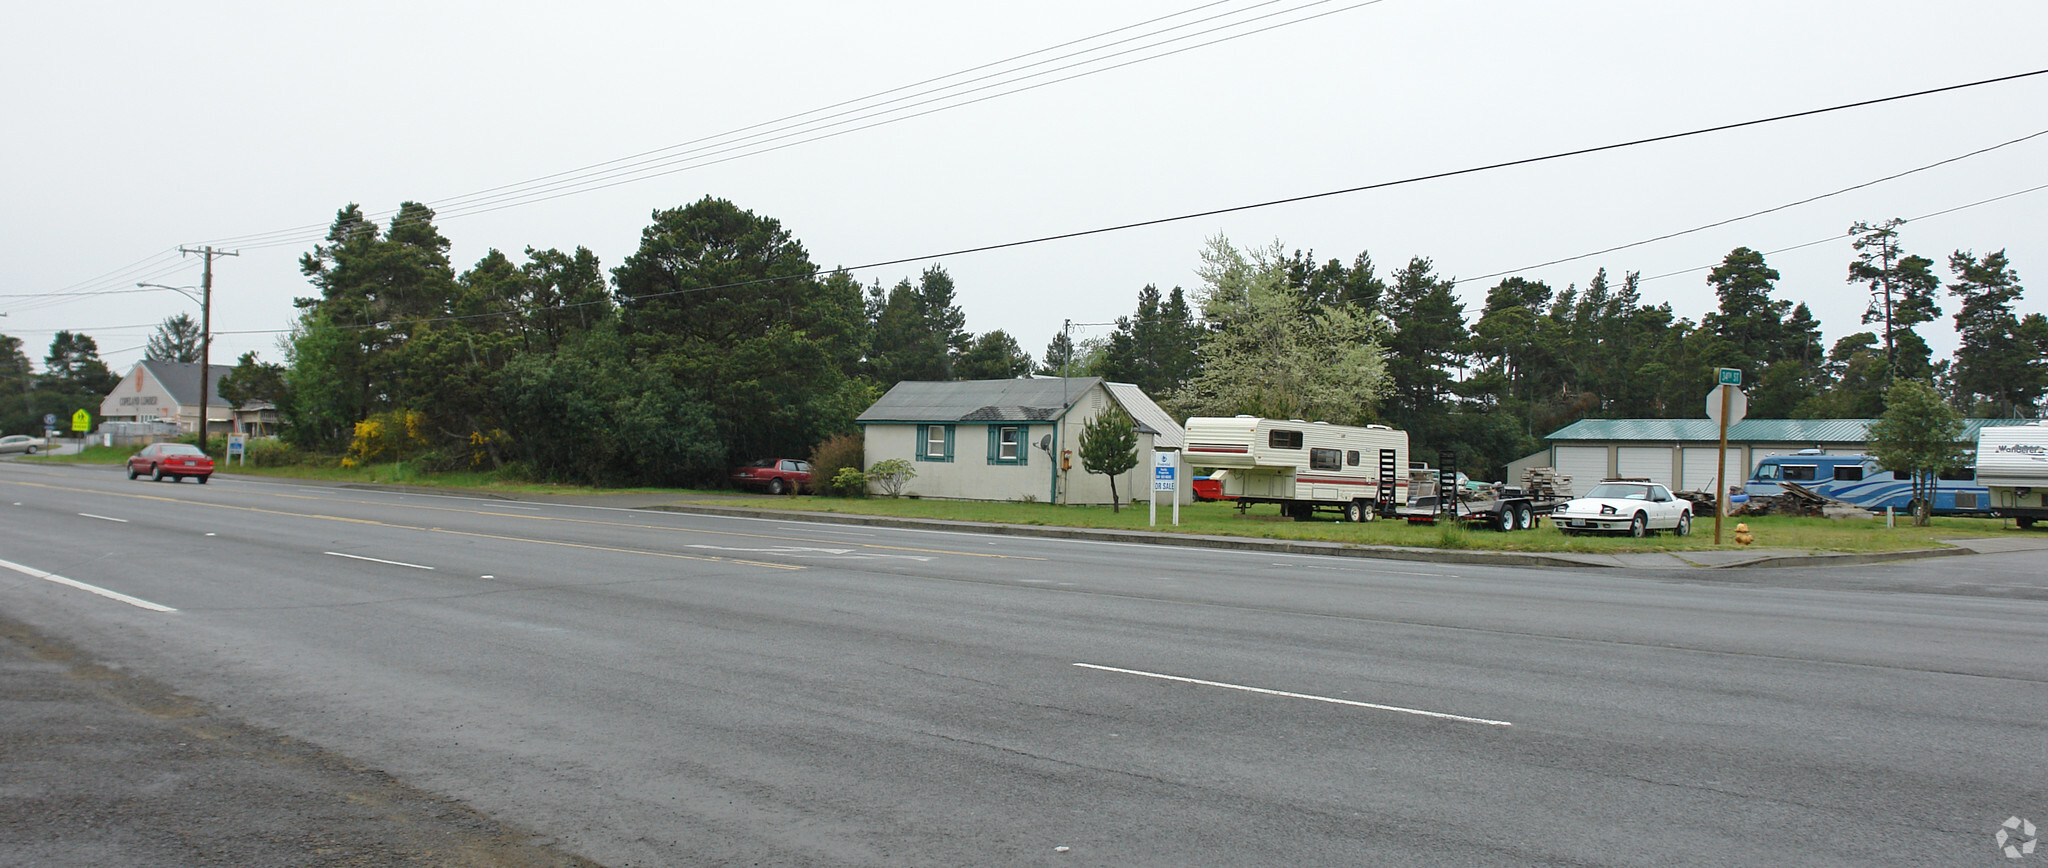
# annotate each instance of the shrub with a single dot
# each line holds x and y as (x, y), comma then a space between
(848, 482)
(889, 476)
(271, 452)
(838, 453)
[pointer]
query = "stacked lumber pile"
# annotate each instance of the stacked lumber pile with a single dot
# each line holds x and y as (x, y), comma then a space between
(1545, 483)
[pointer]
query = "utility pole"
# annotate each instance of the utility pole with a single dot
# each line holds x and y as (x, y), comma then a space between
(205, 332)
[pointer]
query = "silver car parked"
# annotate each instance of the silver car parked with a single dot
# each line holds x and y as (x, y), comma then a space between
(23, 444)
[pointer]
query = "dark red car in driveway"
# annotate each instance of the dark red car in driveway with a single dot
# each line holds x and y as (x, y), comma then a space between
(774, 475)
(173, 460)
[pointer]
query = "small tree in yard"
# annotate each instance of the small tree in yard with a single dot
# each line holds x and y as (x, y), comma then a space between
(889, 476)
(1109, 446)
(1921, 434)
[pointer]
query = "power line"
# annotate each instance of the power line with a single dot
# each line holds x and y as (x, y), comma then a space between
(586, 180)
(1719, 223)
(1289, 200)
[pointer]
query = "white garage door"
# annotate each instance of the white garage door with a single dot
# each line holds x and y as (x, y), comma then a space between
(1644, 462)
(1586, 465)
(1699, 468)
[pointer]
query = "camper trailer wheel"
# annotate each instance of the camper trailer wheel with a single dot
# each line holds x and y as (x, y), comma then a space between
(1298, 511)
(1357, 510)
(1506, 520)
(2024, 523)
(1525, 517)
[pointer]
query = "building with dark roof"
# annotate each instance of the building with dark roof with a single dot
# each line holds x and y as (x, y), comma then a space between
(1029, 431)
(169, 392)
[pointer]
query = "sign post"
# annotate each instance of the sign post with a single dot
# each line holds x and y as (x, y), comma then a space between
(1165, 478)
(1722, 407)
(238, 447)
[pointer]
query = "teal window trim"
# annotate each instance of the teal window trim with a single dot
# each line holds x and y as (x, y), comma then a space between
(1019, 445)
(926, 434)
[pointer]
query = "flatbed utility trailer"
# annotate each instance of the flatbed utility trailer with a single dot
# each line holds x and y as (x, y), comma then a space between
(1501, 507)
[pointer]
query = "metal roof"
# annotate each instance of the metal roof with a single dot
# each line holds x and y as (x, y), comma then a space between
(1151, 418)
(1816, 431)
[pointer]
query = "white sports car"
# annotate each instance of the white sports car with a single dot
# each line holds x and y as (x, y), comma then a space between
(1635, 508)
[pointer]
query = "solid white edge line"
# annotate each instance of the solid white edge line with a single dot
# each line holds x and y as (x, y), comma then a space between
(104, 517)
(137, 602)
(1416, 711)
(378, 561)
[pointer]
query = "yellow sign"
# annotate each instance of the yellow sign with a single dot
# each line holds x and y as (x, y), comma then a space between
(81, 421)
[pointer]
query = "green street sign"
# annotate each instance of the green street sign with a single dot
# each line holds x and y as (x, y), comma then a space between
(1731, 376)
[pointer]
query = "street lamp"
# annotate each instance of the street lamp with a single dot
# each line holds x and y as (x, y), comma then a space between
(205, 300)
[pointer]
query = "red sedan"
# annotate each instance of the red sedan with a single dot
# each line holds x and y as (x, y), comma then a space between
(174, 460)
(774, 475)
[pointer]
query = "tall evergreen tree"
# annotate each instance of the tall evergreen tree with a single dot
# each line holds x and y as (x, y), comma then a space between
(1902, 295)
(1750, 321)
(993, 356)
(920, 332)
(1996, 362)
(176, 339)
(1428, 340)
(726, 304)
(1154, 348)
(73, 368)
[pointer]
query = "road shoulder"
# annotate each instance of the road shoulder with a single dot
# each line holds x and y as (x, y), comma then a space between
(101, 767)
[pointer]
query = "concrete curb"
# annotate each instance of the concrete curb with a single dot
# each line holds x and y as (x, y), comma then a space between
(1296, 547)
(1844, 559)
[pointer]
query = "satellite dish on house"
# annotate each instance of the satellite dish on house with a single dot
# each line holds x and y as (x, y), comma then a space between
(1045, 444)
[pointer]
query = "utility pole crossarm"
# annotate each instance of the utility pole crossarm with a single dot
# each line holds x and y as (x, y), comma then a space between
(206, 333)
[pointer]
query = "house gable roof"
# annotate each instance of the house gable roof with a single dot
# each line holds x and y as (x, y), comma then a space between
(181, 380)
(1035, 400)
(1041, 399)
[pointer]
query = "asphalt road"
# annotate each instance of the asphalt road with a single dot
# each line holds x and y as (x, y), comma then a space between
(648, 688)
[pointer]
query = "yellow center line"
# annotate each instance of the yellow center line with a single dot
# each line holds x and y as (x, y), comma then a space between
(395, 526)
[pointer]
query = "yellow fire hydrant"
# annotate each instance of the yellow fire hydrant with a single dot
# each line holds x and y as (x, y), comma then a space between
(1742, 535)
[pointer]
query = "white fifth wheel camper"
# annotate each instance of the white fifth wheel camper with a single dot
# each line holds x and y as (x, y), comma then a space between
(2012, 461)
(1303, 466)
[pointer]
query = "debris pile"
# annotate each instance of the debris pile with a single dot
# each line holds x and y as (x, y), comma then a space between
(1797, 499)
(1545, 483)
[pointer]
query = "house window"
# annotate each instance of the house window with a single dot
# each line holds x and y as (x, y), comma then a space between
(935, 442)
(1325, 459)
(1007, 444)
(1284, 439)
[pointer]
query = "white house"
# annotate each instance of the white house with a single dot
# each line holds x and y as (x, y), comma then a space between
(169, 392)
(1013, 439)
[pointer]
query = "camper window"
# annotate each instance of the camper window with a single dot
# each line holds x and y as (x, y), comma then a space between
(1325, 459)
(1767, 471)
(1799, 472)
(1965, 473)
(1351, 458)
(1284, 439)
(1849, 473)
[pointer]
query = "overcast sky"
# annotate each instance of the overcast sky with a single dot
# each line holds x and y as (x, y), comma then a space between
(134, 128)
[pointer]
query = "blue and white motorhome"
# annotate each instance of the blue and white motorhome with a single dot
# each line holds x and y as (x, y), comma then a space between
(1857, 479)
